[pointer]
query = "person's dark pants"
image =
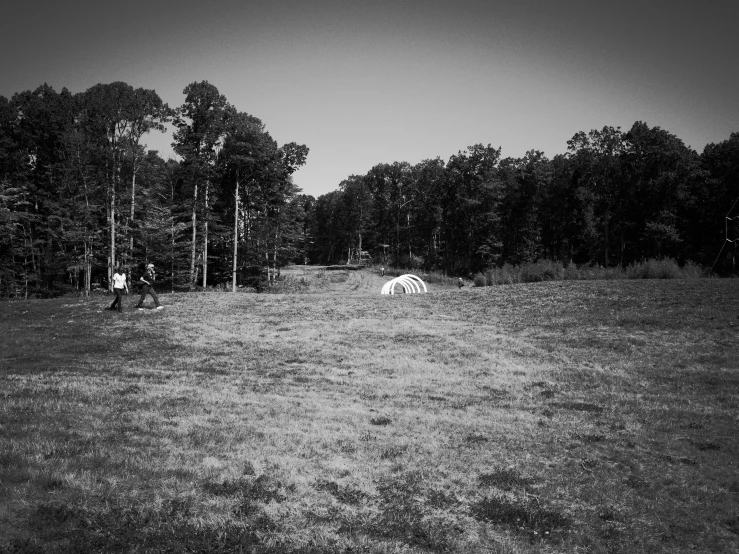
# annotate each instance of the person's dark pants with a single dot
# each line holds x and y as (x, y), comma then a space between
(118, 300)
(144, 291)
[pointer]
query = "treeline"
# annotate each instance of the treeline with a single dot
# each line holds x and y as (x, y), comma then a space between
(79, 194)
(615, 198)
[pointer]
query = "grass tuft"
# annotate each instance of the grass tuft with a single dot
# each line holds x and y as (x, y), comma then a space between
(506, 479)
(523, 517)
(344, 494)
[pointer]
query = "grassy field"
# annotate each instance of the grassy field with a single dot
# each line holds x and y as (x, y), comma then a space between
(589, 416)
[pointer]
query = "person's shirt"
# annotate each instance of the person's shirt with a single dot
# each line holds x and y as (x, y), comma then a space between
(119, 280)
(149, 276)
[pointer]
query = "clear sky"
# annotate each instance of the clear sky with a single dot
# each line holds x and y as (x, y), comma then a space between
(378, 81)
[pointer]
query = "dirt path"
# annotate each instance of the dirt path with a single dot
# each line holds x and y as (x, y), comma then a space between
(363, 281)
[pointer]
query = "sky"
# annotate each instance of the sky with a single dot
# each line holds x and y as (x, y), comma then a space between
(377, 81)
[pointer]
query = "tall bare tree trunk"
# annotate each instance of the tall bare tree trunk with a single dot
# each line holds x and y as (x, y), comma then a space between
(130, 231)
(88, 240)
(205, 237)
(410, 255)
(25, 273)
(194, 236)
(171, 253)
(247, 221)
(606, 230)
(116, 177)
(275, 271)
(33, 252)
(236, 237)
(88, 268)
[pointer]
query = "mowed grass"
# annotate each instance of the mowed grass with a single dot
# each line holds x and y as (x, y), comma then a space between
(550, 417)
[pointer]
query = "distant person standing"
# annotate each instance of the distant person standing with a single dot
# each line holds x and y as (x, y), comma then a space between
(148, 279)
(119, 285)
(382, 271)
(460, 283)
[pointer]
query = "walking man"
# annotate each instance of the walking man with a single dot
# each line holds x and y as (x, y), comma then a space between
(148, 279)
(119, 285)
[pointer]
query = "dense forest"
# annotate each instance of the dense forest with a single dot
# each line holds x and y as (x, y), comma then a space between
(615, 198)
(79, 195)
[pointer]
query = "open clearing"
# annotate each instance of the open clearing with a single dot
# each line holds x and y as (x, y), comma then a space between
(596, 416)
(322, 281)
(319, 280)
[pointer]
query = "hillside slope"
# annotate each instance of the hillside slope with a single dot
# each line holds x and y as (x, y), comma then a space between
(524, 419)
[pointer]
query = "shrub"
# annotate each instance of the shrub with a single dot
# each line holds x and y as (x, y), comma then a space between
(572, 273)
(693, 271)
(253, 276)
(545, 270)
(289, 284)
(666, 268)
(506, 275)
(413, 262)
(431, 277)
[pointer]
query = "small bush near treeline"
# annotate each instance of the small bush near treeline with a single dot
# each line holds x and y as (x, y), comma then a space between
(545, 270)
(415, 265)
(431, 277)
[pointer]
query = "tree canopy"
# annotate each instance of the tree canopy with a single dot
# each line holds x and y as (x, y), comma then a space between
(79, 194)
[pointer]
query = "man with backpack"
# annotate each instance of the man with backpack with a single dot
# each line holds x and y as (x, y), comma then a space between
(148, 279)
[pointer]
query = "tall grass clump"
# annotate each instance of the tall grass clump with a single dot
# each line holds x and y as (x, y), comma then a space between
(431, 277)
(544, 270)
(437, 278)
(665, 268)
(289, 284)
(505, 275)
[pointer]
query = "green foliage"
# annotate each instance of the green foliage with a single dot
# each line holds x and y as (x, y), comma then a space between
(289, 284)
(78, 193)
(432, 277)
(665, 268)
(615, 199)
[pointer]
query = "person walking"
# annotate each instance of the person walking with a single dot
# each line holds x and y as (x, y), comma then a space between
(119, 285)
(148, 279)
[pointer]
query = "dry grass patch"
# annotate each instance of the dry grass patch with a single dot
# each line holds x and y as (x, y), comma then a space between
(553, 417)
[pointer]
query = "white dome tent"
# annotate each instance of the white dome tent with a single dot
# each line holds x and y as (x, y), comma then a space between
(410, 283)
